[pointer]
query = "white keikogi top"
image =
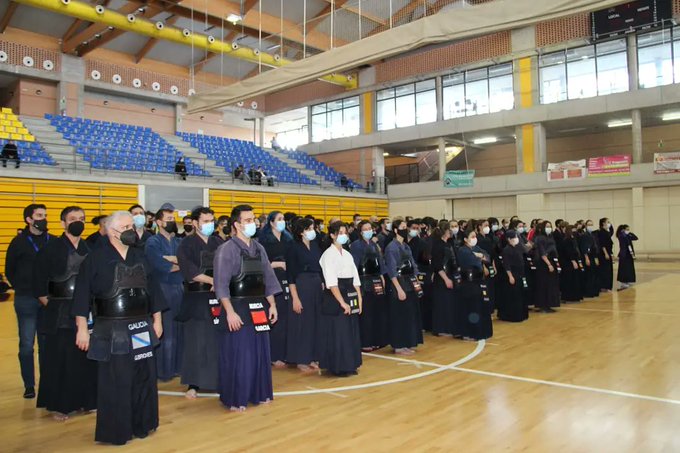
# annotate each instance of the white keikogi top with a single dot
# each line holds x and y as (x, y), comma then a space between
(337, 265)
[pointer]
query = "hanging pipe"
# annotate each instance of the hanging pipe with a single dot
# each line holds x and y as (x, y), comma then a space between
(98, 14)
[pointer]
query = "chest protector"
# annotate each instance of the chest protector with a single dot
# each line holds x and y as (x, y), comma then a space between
(127, 297)
(206, 268)
(405, 267)
(250, 281)
(63, 285)
(370, 263)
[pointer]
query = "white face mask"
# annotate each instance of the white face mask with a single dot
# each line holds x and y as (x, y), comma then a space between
(513, 241)
(486, 230)
(520, 230)
(589, 228)
(548, 230)
(472, 242)
(454, 231)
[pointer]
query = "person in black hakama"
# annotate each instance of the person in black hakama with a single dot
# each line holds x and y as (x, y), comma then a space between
(547, 293)
(591, 262)
(487, 241)
(127, 328)
(572, 266)
(606, 254)
(626, 273)
(306, 290)
(68, 381)
(244, 284)
(404, 293)
(514, 308)
(374, 317)
(199, 312)
(445, 279)
(421, 252)
(340, 340)
(473, 315)
(276, 240)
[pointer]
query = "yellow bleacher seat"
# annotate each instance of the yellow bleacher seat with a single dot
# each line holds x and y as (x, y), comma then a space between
(5, 123)
(4, 135)
(29, 138)
(16, 136)
(6, 110)
(10, 129)
(2, 116)
(12, 117)
(22, 130)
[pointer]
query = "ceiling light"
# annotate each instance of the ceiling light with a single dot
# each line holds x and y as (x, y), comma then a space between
(233, 18)
(455, 150)
(620, 123)
(485, 140)
(410, 155)
(386, 154)
(671, 116)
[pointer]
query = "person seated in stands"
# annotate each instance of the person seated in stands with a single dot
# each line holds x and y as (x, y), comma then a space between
(239, 172)
(181, 169)
(263, 178)
(10, 153)
(344, 182)
(252, 176)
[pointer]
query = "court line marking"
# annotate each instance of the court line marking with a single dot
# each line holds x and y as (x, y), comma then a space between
(629, 312)
(437, 369)
(336, 394)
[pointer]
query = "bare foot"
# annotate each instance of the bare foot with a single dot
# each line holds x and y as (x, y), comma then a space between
(58, 416)
(191, 394)
(267, 401)
(306, 369)
(237, 409)
(279, 364)
(314, 365)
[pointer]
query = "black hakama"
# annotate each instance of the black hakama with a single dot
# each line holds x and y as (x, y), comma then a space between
(626, 271)
(547, 290)
(606, 269)
(301, 344)
(405, 318)
(427, 301)
(279, 331)
(339, 340)
(443, 307)
(169, 353)
(200, 342)
(475, 310)
(570, 283)
(514, 307)
(374, 318)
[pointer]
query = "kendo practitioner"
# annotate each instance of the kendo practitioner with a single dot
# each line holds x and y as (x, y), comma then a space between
(515, 308)
(374, 317)
(384, 236)
(306, 290)
(606, 254)
(244, 284)
(276, 240)
(572, 266)
(127, 328)
(222, 230)
(93, 239)
(355, 234)
(421, 250)
(19, 272)
(487, 241)
(589, 250)
(68, 379)
(200, 312)
(405, 291)
(340, 340)
(547, 292)
(167, 285)
(626, 273)
(445, 280)
(473, 317)
(187, 226)
(139, 218)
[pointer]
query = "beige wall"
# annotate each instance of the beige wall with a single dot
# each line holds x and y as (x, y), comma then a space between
(37, 97)
(436, 208)
(349, 163)
(482, 208)
(661, 218)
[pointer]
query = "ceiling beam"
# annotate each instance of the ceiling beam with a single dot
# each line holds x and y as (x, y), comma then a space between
(4, 22)
(316, 20)
(198, 67)
(406, 10)
(151, 42)
(72, 43)
(355, 10)
(78, 22)
(247, 6)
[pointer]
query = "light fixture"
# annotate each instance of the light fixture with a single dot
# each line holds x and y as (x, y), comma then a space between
(386, 154)
(233, 18)
(455, 150)
(619, 123)
(484, 140)
(671, 116)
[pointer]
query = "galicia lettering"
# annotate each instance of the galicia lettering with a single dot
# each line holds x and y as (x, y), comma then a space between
(137, 325)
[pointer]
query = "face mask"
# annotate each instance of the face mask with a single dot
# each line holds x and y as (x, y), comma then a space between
(609, 226)
(249, 230)
(472, 242)
(626, 232)
(188, 228)
(322, 227)
(225, 230)
(149, 224)
(280, 225)
(486, 230)
(76, 228)
(494, 227)
(589, 228)
(310, 235)
(128, 237)
(413, 233)
(40, 225)
(170, 227)
(513, 241)
(454, 231)
(140, 220)
(207, 229)
(367, 235)
(342, 239)
(505, 226)
(520, 230)
(548, 231)
(403, 233)
(388, 226)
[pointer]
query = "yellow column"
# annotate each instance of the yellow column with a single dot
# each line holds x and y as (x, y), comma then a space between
(526, 100)
(367, 107)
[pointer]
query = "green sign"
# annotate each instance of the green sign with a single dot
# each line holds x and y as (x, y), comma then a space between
(459, 178)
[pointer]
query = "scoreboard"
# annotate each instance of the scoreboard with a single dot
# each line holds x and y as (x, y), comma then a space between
(630, 17)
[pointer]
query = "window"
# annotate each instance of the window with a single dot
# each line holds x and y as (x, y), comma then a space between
(478, 91)
(335, 119)
(655, 59)
(584, 72)
(406, 105)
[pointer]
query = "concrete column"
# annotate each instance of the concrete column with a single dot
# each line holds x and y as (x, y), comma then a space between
(261, 132)
(362, 166)
(440, 98)
(378, 162)
(633, 80)
(309, 124)
(638, 220)
(62, 98)
(519, 146)
(540, 148)
(636, 131)
(178, 118)
(441, 148)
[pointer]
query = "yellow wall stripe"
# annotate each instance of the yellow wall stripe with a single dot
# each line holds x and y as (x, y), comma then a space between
(367, 99)
(528, 148)
(526, 98)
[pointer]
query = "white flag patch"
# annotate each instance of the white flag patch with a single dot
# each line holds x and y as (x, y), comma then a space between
(141, 340)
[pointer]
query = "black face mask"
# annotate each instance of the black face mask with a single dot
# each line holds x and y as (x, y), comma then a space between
(403, 233)
(75, 228)
(128, 237)
(170, 227)
(149, 225)
(188, 228)
(225, 231)
(40, 225)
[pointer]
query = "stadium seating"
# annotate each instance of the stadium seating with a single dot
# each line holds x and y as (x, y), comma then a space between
(321, 169)
(120, 147)
(230, 153)
(30, 151)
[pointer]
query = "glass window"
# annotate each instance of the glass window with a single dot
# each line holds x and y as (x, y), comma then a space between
(553, 81)
(477, 97)
(406, 105)
(386, 114)
(334, 119)
(655, 65)
(405, 111)
(352, 120)
(385, 94)
(476, 74)
(453, 79)
(581, 73)
(425, 85)
(676, 63)
(319, 127)
(501, 95)
(453, 101)
(426, 107)
(612, 73)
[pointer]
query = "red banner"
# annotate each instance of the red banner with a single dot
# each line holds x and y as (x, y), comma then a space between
(618, 165)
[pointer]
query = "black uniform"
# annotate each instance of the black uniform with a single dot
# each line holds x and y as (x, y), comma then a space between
(123, 341)
(200, 349)
(421, 249)
(570, 278)
(590, 282)
(473, 317)
(443, 298)
(405, 319)
(604, 240)
(68, 379)
(547, 292)
(626, 272)
(514, 307)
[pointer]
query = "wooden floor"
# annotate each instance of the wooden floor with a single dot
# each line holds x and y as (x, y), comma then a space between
(599, 376)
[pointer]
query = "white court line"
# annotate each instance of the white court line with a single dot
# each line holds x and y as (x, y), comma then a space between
(628, 312)
(339, 395)
(439, 368)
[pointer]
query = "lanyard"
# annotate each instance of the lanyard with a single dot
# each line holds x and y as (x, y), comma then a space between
(35, 246)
